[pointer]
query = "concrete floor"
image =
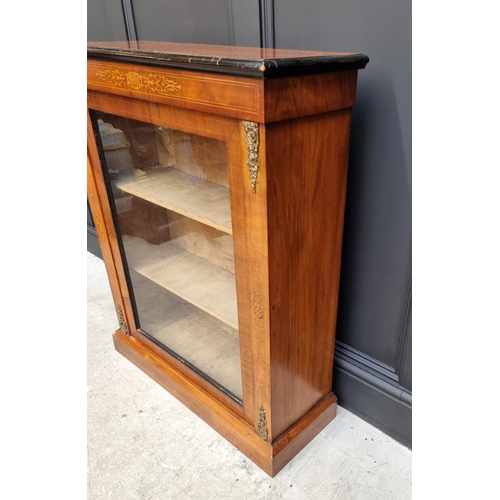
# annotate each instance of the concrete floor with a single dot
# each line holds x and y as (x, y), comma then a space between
(144, 444)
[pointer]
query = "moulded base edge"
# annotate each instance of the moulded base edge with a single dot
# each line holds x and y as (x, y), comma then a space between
(271, 458)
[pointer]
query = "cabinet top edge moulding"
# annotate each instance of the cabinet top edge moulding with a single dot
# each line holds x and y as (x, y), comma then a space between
(217, 178)
(233, 60)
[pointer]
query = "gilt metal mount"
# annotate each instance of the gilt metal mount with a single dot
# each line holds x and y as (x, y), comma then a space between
(262, 424)
(252, 140)
(121, 321)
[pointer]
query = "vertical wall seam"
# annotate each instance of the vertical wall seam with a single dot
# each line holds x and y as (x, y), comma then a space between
(403, 334)
(266, 24)
(128, 17)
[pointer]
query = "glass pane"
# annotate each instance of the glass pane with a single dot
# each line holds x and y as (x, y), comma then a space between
(171, 199)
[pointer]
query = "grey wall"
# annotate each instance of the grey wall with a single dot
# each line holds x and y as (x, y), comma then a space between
(183, 21)
(220, 22)
(373, 352)
(105, 20)
(374, 323)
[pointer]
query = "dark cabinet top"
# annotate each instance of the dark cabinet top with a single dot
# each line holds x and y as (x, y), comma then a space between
(246, 61)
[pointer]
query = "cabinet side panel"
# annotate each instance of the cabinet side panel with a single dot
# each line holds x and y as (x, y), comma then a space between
(306, 184)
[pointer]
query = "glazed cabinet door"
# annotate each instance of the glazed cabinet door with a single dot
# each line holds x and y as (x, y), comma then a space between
(166, 175)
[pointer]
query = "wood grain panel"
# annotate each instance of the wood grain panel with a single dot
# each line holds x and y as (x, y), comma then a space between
(249, 218)
(298, 96)
(220, 94)
(306, 179)
(192, 122)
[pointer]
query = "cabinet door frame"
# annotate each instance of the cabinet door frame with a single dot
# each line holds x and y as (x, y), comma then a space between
(249, 221)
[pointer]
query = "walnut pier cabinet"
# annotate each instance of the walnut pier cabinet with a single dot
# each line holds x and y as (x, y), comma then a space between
(217, 180)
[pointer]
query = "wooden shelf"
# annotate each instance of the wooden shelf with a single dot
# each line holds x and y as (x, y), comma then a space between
(208, 287)
(185, 194)
(193, 335)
